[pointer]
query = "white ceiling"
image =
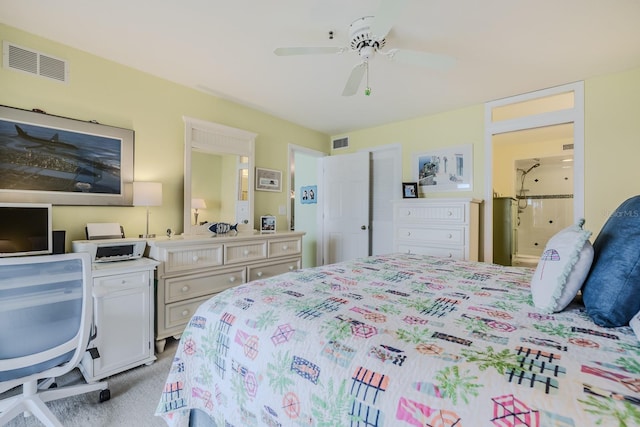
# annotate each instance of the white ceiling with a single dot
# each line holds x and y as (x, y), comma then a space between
(501, 47)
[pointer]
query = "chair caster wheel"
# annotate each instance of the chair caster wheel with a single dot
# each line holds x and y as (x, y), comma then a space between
(105, 395)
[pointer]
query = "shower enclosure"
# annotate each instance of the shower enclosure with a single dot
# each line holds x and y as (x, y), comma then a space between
(544, 205)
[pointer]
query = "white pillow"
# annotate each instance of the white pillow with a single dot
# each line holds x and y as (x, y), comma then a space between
(563, 268)
(635, 324)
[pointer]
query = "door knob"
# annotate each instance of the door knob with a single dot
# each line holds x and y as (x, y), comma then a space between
(363, 227)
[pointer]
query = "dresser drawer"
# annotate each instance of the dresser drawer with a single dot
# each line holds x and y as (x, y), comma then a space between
(285, 247)
(196, 285)
(179, 313)
(449, 213)
(193, 257)
(273, 269)
(446, 235)
(235, 253)
(114, 283)
(455, 253)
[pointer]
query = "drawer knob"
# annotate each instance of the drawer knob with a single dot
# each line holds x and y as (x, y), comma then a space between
(259, 274)
(232, 279)
(285, 247)
(291, 267)
(408, 213)
(449, 213)
(124, 282)
(245, 252)
(449, 235)
(185, 288)
(185, 313)
(450, 255)
(408, 233)
(195, 258)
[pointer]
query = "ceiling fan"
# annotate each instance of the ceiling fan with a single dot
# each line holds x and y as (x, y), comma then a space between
(367, 38)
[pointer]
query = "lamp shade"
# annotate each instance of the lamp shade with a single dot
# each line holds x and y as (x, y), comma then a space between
(147, 193)
(198, 204)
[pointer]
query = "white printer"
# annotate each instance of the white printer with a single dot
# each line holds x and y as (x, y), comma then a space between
(105, 243)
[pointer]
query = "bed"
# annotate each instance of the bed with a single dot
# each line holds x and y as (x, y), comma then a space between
(400, 340)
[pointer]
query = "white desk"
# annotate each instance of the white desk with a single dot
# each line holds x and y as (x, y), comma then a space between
(123, 317)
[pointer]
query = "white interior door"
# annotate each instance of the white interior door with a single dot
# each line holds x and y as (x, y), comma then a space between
(386, 181)
(346, 207)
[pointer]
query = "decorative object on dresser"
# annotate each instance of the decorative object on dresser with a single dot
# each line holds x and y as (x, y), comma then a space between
(195, 267)
(409, 190)
(222, 227)
(439, 227)
(267, 224)
(147, 194)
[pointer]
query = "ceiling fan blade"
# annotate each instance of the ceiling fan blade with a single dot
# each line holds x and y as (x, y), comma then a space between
(286, 51)
(423, 59)
(386, 16)
(354, 80)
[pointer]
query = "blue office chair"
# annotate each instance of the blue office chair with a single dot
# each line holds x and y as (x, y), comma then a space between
(45, 322)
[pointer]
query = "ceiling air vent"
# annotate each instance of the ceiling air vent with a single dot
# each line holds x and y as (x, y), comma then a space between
(341, 143)
(36, 63)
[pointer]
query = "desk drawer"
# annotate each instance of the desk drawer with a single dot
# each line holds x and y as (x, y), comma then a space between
(446, 235)
(178, 314)
(193, 257)
(285, 247)
(273, 269)
(118, 282)
(196, 285)
(235, 253)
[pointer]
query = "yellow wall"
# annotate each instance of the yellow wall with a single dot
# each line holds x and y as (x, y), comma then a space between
(119, 96)
(459, 127)
(612, 143)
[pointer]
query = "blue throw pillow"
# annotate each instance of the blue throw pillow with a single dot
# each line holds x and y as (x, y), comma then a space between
(611, 293)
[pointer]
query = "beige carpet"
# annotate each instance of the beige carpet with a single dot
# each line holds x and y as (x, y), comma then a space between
(134, 397)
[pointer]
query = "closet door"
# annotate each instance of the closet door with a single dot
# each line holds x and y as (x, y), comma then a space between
(345, 207)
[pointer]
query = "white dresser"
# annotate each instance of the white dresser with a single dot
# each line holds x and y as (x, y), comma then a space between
(441, 227)
(193, 268)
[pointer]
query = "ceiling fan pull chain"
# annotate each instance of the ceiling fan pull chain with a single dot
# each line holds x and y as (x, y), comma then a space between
(367, 90)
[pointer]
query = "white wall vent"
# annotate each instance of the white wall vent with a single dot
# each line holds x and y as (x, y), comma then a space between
(29, 61)
(341, 143)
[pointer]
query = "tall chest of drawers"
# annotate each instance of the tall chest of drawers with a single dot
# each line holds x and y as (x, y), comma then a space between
(194, 268)
(441, 227)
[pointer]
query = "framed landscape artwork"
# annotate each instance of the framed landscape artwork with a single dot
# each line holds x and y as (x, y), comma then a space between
(62, 161)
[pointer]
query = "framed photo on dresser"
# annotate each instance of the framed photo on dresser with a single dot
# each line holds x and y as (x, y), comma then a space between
(409, 190)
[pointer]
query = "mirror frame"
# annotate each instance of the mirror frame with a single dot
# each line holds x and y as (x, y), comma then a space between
(214, 138)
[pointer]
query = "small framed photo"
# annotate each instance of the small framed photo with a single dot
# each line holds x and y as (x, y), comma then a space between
(268, 180)
(267, 224)
(409, 190)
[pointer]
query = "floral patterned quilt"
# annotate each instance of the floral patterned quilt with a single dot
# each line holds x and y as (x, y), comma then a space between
(400, 340)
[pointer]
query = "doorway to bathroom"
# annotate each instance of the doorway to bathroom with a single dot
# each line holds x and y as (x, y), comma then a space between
(534, 172)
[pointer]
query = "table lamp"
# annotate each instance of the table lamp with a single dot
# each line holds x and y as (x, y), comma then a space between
(147, 194)
(197, 204)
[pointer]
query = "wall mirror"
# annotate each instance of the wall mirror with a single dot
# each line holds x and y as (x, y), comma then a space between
(218, 172)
